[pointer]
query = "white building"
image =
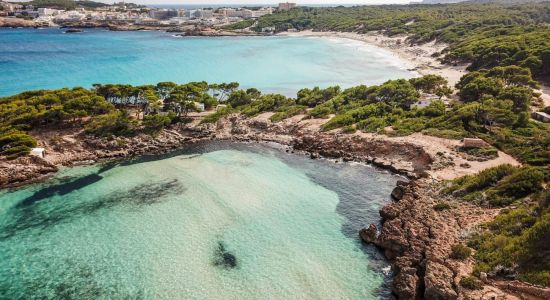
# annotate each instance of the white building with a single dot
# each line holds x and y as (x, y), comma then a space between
(262, 12)
(44, 12)
(268, 29)
(199, 106)
(286, 6)
(178, 20)
(71, 16)
(203, 13)
(164, 14)
(37, 152)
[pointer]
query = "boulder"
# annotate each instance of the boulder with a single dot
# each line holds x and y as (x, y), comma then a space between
(368, 235)
(406, 284)
(402, 183)
(398, 193)
(438, 282)
(389, 212)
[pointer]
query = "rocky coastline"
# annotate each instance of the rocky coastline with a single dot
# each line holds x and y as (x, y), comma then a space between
(179, 30)
(415, 237)
(71, 147)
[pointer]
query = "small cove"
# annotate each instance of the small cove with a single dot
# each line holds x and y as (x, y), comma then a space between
(215, 220)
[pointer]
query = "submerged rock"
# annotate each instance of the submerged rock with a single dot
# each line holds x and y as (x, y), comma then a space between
(224, 258)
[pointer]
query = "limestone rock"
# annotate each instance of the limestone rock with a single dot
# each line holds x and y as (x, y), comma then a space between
(438, 282)
(398, 192)
(368, 235)
(406, 284)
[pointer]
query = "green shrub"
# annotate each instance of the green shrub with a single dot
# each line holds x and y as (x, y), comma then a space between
(541, 277)
(338, 121)
(372, 124)
(471, 283)
(15, 143)
(287, 112)
(117, 123)
(320, 112)
(517, 238)
(484, 153)
(480, 181)
(408, 126)
(460, 252)
(214, 117)
(444, 133)
(155, 123)
(441, 206)
(520, 184)
(348, 129)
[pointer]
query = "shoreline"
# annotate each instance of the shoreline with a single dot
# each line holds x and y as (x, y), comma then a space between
(418, 58)
(67, 148)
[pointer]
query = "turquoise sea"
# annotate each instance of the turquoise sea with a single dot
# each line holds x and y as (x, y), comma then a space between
(213, 221)
(49, 58)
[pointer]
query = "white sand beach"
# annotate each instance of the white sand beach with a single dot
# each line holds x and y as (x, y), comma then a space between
(418, 57)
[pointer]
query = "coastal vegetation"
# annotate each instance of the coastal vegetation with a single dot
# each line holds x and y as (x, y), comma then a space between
(37, 109)
(103, 110)
(471, 283)
(515, 244)
(460, 252)
(494, 106)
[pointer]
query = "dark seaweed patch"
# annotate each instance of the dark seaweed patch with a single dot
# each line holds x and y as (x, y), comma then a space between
(149, 194)
(76, 281)
(35, 217)
(60, 189)
(65, 186)
(223, 258)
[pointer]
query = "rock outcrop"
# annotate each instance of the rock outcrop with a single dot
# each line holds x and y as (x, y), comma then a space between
(24, 169)
(402, 158)
(417, 240)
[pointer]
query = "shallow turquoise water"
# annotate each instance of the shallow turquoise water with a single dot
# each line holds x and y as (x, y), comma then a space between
(48, 58)
(216, 221)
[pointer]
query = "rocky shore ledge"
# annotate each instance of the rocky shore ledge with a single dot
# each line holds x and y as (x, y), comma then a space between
(417, 239)
(414, 236)
(68, 147)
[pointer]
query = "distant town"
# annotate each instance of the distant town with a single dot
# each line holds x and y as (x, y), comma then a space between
(122, 16)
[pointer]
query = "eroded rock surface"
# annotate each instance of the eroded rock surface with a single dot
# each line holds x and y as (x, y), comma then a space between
(418, 239)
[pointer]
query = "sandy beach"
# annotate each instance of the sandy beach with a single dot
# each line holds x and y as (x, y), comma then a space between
(418, 58)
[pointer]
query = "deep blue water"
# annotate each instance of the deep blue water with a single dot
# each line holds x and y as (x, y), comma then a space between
(49, 58)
